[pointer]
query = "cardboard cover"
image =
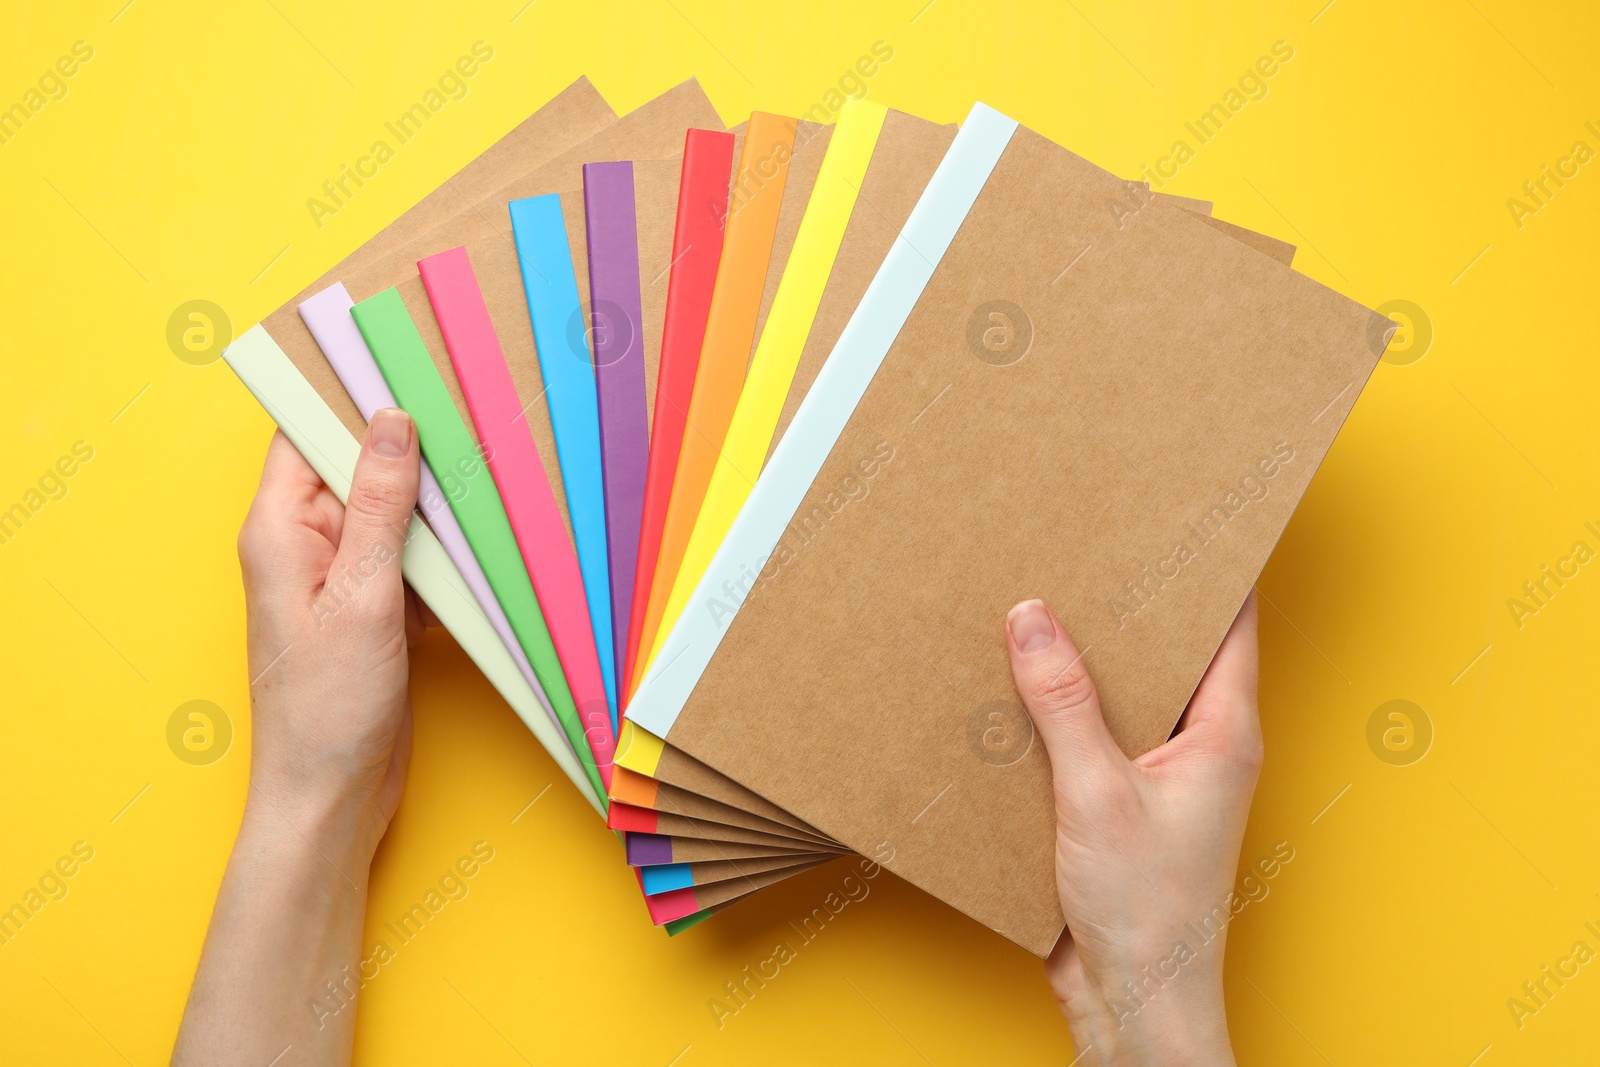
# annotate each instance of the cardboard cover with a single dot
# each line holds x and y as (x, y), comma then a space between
(641, 791)
(1128, 448)
(707, 814)
(911, 149)
(653, 130)
(652, 850)
(895, 179)
(573, 116)
(907, 152)
(666, 878)
(684, 902)
(1271, 247)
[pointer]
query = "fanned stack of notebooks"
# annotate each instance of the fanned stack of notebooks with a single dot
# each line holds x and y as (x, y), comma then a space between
(739, 444)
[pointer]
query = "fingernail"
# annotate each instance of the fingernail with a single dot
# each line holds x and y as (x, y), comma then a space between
(1032, 629)
(391, 433)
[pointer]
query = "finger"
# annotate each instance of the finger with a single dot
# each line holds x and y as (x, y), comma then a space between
(292, 491)
(1226, 695)
(383, 494)
(417, 616)
(1056, 688)
(417, 608)
(289, 532)
(1222, 716)
(285, 468)
(288, 483)
(425, 614)
(1060, 967)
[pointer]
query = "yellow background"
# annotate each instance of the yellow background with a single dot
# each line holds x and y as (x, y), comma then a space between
(177, 168)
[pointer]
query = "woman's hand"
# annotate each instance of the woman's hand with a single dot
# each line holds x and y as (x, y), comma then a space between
(1146, 850)
(330, 621)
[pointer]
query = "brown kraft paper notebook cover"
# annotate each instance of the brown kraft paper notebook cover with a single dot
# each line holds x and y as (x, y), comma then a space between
(681, 826)
(576, 114)
(665, 821)
(908, 151)
(1134, 468)
(735, 890)
(678, 770)
(694, 848)
(665, 797)
(494, 259)
(692, 805)
(710, 872)
(658, 126)
(653, 130)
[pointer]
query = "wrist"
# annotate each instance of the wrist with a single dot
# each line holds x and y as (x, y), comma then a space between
(336, 824)
(1137, 1017)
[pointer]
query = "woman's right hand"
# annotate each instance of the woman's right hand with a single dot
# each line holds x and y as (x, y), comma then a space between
(1146, 849)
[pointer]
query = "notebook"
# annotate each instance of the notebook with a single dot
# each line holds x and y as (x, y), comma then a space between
(1030, 400)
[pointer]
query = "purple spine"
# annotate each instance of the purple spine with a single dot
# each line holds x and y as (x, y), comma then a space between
(648, 850)
(616, 321)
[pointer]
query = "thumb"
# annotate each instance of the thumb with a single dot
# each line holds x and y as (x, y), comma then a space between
(383, 494)
(1055, 686)
(1222, 720)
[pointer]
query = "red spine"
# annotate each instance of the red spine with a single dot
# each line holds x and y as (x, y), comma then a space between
(696, 249)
